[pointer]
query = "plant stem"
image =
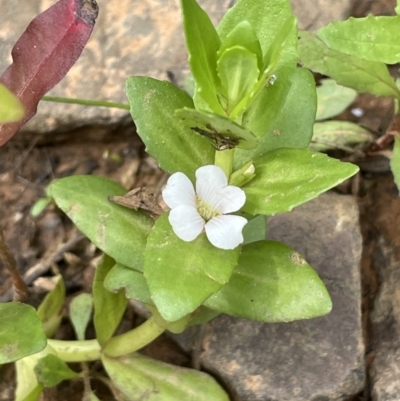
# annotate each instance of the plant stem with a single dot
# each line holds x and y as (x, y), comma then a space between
(134, 339)
(76, 351)
(224, 159)
(86, 102)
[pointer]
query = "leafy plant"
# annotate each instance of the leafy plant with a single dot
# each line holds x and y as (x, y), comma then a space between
(237, 152)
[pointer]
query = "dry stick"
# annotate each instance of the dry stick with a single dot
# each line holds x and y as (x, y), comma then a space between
(40, 268)
(9, 262)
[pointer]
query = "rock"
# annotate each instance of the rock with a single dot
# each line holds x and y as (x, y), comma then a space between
(318, 359)
(138, 37)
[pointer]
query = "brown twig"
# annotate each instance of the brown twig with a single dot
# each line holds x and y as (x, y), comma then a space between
(8, 261)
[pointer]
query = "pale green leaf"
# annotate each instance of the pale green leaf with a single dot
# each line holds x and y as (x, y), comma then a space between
(220, 131)
(351, 71)
(371, 38)
(11, 109)
(167, 139)
(395, 161)
(333, 99)
(15, 342)
(182, 275)
(80, 310)
(132, 281)
(397, 8)
(116, 230)
(338, 134)
(109, 307)
(238, 72)
(202, 42)
(283, 116)
(272, 283)
(34, 394)
(50, 310)
(255, 230)
(51, 371)
(139, 377)
(286, 178)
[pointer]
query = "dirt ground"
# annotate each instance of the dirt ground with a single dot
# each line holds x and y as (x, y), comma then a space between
(49, 244)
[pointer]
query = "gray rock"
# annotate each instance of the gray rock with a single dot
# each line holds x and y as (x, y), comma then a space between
(384, 372)
(131, 37)
(315, 360)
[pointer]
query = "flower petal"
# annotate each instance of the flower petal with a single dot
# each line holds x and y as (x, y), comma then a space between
(210, 180)
(225, 232)
(232, 199)
(179, 191)
(186, 222)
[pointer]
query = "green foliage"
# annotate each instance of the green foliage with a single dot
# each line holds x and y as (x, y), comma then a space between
(371, 38)
(272, 283)
(15, 342)
(351, 71)
(11, 109)
(286, 178)
(117, 231)
(80, 310)
(51, 371)
(137, 376)
(179, 285)
(255, 230)
(109, 307)
(395, 161)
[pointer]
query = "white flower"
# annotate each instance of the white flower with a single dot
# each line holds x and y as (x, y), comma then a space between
(206, 208)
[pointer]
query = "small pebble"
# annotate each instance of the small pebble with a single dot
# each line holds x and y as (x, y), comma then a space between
(357, 112)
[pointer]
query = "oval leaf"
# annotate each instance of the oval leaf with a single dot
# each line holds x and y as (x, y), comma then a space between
(286, 178)
(272, 283)
(109, 306)
(15, 342)
(80, 310)
(138, 377)
(51, 371)
(182, 275)
(371, 38)
(45, 52)
(167, 139)
(116, 230)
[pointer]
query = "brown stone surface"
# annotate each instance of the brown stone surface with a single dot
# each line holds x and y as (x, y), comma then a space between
(319, 359)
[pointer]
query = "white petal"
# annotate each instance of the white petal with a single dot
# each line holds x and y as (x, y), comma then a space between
(225, 232)
(186, 222)
(210, 180)
(179, 191)
(232, 199)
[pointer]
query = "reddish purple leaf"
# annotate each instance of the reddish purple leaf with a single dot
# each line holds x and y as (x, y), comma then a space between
(45, 52)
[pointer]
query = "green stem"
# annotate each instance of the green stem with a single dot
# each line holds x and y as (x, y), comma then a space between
(87, 102)
(76, 351)
(224, 159)
(134, 339)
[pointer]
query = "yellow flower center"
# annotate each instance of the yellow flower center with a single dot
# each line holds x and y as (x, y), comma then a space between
(205, 210)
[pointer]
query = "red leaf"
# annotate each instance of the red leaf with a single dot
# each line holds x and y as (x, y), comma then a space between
(45, 52)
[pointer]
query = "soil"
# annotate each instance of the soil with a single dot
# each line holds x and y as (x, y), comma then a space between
(49, 244)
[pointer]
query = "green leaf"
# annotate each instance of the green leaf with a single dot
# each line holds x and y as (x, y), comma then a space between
(202, 315)
(80, 310)
(21, 332)
(139, 377)
(272, 283)
(109, 307)
(222, 132)
(202, 42)
(34, 394)
(133, 282)
(243, 35)
(266, 18)
(182, 275)
(238, 71)
(286, 178)
(351, 71)
(117, 231)
(395, 161)
(338, 134)
(255, 230)
(11, 109)
(397, 8)
(51, 371)
(333, 99)
(371, 38)
(283, 116)
(50, 310)
(168, 140)
(39, 206)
